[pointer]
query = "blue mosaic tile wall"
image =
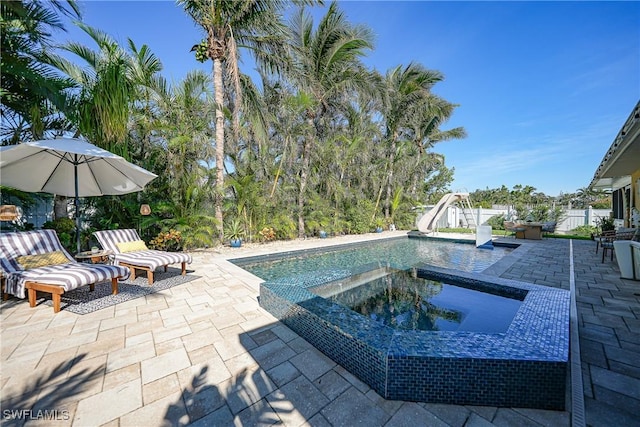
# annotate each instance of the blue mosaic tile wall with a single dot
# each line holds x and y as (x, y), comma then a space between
(524, 367)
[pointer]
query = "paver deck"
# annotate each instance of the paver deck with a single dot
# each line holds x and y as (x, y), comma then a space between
(205, 354)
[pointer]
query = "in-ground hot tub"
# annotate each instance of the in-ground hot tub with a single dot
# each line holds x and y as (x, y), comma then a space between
(522, 366)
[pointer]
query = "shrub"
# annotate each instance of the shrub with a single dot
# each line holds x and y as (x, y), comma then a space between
(284, 227)
(605, 223)
(167, 241)
(65, 229)
(584, 231)
(61, 225)
(496, 222)
(359, 217)
(267, 234)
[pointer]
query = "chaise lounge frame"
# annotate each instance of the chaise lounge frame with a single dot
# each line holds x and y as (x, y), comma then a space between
(52, 279)
(145, 260)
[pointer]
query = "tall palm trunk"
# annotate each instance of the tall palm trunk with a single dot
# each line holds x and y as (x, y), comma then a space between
(304, 175)
(217, 83)
(392, 159)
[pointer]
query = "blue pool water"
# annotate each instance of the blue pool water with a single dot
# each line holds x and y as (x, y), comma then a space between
(404, 301)
(522, 363)
(401, 254)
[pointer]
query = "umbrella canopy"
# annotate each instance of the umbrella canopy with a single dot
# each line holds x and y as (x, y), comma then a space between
(70, 167)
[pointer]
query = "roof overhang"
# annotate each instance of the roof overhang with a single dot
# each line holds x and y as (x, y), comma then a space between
(622, 158)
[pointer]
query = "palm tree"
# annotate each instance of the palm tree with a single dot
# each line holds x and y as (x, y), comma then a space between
(326, 66)
(230, 25)
(424, 123)
(32, 94)
(402, 89)
(108, 86)
(106, 89)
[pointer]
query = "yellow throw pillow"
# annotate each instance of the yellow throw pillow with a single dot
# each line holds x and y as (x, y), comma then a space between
(29, 262)
(136, 245)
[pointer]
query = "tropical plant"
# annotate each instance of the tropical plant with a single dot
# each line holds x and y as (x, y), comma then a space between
(605, 223)
(267, 234)
(402, 88)
(326, 65)
(170, 240)
(65, 229)
(234, 230)
(33, 95)
(229, 25)
(497, 222)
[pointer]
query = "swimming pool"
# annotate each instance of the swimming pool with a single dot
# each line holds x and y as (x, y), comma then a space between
(401, 253)
(404, 301)
(525, 366)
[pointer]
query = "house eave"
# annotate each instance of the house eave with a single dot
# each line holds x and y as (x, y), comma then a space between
(622, 158)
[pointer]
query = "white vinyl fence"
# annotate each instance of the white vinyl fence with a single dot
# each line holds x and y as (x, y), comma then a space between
(572, 218)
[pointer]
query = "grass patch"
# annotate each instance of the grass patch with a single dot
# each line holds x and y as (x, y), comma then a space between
(569, 236)
(497, 232)
(457, 230)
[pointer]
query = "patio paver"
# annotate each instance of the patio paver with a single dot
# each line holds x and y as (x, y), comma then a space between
(204, 353)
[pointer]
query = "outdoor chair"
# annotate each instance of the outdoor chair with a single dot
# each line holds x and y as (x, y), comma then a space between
(606, 240)
(37, 261)
(609, 235)
(512, 227)
(549, 227)
(130, 251)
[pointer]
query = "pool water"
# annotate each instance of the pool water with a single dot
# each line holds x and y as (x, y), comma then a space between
(460, 360)
(401, 254)
(404, 301)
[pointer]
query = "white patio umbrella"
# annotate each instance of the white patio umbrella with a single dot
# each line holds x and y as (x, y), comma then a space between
(70, 167)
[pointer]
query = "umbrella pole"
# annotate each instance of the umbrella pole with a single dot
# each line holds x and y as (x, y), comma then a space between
(77, 202)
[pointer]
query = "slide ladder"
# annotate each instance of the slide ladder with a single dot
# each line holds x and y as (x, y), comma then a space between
(467, 211)
(428, 221)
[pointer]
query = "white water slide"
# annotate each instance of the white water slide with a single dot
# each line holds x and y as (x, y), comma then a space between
(428, 221)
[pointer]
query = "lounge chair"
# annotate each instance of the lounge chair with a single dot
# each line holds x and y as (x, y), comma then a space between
(130, 251)
(37, 261)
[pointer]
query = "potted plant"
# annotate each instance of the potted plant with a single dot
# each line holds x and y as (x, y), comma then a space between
(234, 233)
(379, 224)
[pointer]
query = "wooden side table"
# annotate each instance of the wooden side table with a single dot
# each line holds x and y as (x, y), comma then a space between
(100, 257)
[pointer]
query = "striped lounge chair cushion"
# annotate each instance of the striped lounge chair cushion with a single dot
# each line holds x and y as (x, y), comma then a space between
(69, 275)
(149, 258)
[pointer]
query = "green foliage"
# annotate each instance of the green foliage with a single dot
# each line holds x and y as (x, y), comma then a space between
(65, 229)
(359, 217)
(196, 230)
(457, 230)
(521, 211)
(284, 226)
(584, 231)
(234, 230)
(605, 223)
(61, 225)
(496, 222)
(325, 140)
(538, 213)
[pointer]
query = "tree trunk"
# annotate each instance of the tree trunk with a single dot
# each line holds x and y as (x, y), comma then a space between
(219, 198)
(392, 157)
(304, 174)
(60, 207)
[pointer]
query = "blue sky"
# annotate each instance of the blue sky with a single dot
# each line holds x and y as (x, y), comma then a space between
(542, 87)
